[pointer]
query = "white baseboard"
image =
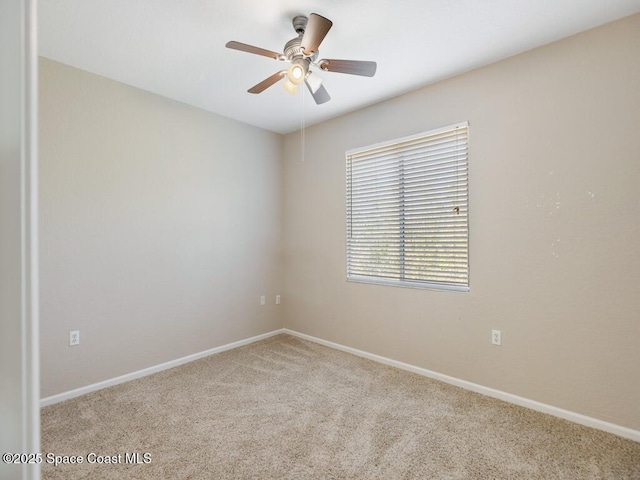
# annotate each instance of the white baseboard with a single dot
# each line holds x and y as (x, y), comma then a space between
(148, 371)
(474, 387)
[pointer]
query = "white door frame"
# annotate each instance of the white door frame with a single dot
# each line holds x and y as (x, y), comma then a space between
(19, 356)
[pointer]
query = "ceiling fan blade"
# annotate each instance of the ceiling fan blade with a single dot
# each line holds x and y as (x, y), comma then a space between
(353, 67)
(243, 47)
(320, 95)
(314, 33)
(267, 82)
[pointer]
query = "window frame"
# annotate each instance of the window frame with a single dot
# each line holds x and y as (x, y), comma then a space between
(400, 281)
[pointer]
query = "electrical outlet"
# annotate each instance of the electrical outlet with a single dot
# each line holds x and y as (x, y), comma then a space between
(263, 300)
(496, 337)
(277, 299)
(74, 338)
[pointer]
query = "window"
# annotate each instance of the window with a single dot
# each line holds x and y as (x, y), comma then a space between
(407, 211)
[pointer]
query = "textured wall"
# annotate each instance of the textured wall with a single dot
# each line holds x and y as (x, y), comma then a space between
(554, 222)
(160, 228)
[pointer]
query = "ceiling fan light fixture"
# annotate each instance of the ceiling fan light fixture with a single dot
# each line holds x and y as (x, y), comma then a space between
(313, 81)
(296, 73)
(290, 87)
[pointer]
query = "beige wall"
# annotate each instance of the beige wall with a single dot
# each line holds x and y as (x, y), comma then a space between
(159, 229)
(554, 220)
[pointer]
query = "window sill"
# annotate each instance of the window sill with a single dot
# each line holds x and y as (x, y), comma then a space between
(408, 284)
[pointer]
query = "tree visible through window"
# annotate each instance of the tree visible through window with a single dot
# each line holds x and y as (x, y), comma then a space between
(407, 211)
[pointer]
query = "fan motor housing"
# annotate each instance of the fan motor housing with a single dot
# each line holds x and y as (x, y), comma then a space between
(293, 48)
(293, 51)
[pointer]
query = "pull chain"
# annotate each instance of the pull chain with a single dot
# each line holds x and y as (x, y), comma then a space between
(302, 132)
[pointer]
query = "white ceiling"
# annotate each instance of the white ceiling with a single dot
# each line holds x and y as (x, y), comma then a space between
(176, 48)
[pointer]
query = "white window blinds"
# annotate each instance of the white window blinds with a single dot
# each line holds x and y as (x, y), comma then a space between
(407, 211)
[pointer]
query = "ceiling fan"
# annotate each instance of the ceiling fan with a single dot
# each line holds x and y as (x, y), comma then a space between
(302, 53)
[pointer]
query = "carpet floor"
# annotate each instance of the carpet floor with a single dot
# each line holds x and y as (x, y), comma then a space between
(285, 408)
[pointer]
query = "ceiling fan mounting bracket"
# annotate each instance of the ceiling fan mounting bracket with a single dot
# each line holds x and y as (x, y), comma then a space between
(300, 24)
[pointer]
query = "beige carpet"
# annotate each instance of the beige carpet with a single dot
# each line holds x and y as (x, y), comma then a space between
(291, 409)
